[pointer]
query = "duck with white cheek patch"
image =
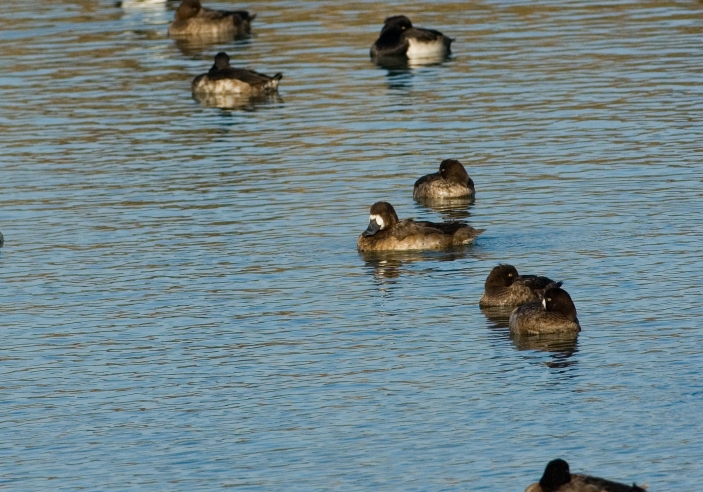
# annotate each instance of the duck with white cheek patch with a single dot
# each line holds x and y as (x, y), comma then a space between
(387, 233)
(555, 314)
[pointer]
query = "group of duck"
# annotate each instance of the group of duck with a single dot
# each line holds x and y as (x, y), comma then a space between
(540, 304)
(398, 40)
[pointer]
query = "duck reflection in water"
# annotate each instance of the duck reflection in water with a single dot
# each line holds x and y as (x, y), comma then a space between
(388, 266)
(400, 79)
(448, 208)
(238, 101)
(195, 46)
(562, 345)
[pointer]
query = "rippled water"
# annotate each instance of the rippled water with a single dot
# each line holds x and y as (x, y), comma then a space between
(183, 304)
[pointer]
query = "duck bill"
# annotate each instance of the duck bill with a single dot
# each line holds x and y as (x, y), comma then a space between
(372, 229)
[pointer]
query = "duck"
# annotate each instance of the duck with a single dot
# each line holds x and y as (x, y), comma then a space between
(505, 287)
(387, 233)
(557, 478)
(2, 240)
(555, 314)
(451, 181)
(400, 39)
(225, 79)
(192, 19)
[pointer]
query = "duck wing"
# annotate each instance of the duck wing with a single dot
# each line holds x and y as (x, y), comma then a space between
(410, 227)
(450, 227)
(216, 15)
(536, 282)
(427, 179)
(423, 35)
(532, 318)
(249, 76)
(596, 484)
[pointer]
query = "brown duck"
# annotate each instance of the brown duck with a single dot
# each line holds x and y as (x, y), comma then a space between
(192, 19)
(451, 181)
(555, 314)
(505, 287)
(225, 79)
(387, 233)
(557, 478)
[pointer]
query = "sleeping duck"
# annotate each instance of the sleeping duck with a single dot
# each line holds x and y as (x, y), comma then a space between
(387, 233)
(400, 39)
(504, 287)
(557, 478)
(555, 314)
(225, 79)
(192, 19)
(451, 181)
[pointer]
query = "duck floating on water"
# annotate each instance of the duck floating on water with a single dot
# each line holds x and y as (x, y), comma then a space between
(558, 478)
(387, 233)
(555, 314)
(505, 287)
(399, 38)
(451, 181)
(222, 78)
(192, 19)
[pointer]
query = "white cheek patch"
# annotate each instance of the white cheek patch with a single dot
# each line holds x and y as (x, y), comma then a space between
(378, 220)
(544, 303)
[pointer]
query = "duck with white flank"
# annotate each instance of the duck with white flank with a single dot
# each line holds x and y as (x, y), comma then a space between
(400, 39)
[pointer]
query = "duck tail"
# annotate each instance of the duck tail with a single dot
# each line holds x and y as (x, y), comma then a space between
(244, 15)
(272, 85)
(550, 285)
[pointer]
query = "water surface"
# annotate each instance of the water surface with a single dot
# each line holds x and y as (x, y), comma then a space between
(183, 304)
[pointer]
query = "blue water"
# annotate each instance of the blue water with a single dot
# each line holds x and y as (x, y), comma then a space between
(183, 305)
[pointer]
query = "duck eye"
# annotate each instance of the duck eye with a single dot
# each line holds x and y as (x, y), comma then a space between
(549, 299)
(510, 275)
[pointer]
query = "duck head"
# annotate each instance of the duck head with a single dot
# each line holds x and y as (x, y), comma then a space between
(453, 170)
(393, 27)
(501, 277)
(559, 301)
(382, 216)
(221, 60)
(187, 9)
(555, 475)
